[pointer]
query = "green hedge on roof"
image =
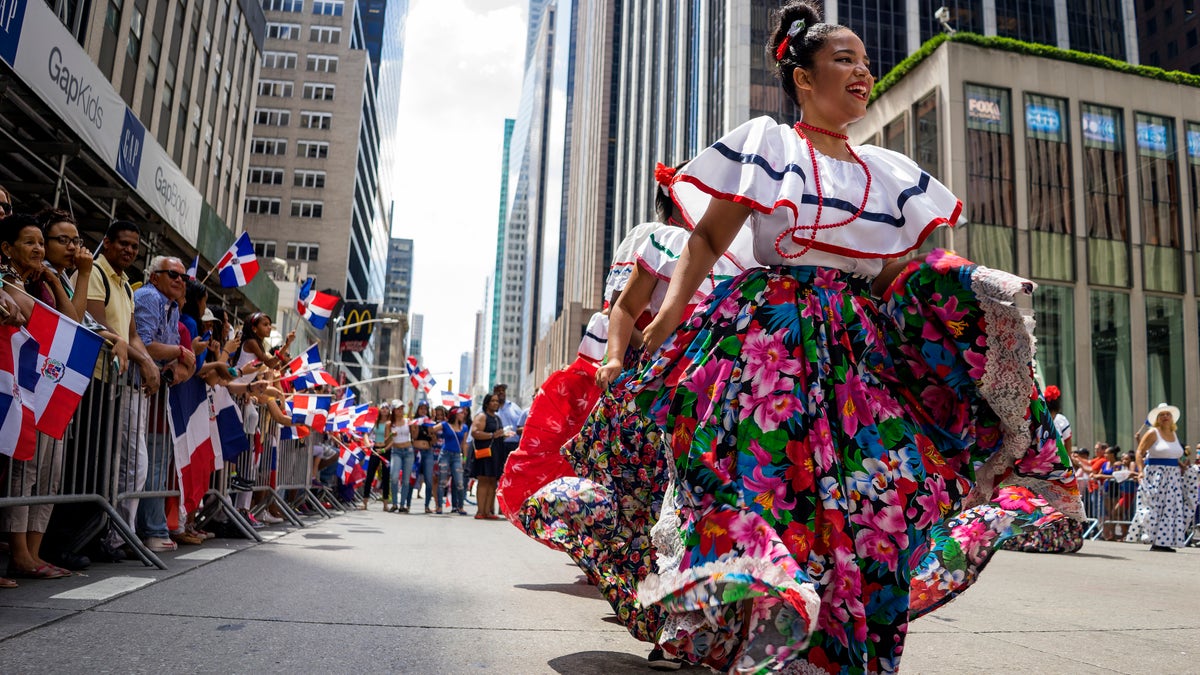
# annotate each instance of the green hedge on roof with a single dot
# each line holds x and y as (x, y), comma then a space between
(1031, 49)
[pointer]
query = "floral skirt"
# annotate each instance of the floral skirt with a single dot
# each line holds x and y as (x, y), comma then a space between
(1064, 536)
(557, 414)
(602, 517)
(837, 460)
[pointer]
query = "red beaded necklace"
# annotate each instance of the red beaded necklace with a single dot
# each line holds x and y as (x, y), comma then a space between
(817, 224)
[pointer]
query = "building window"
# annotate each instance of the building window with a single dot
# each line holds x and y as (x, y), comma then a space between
(263, 206)
(264, 176)
(1097, 26)
(1054, 307)
(1029, 20)
(268, 146)
(309, 179)
(286, 60)
(925, 134)
(302, 251)
(1158, 200)
(303, 208)
(283, 31)
(895, 135)
(1164, 350)
(134, 47)
(283, 5)
(1105, 199)
(272, 117)
(319, 92)
(329, 7)
(312, 149)
(1192, 141)
(280, 88)
(264, 249)
(327, 35)
(1048, 177)
(320, 63)
(1112, 371)
(315, 120)
(992, 204)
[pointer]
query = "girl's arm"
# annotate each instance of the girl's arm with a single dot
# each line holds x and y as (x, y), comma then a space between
(629, 305)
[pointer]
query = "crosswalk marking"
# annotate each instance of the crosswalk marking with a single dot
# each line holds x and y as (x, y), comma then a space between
(104, 589)
(205, 554)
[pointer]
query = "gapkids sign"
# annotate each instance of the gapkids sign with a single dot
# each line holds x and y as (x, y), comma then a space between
(40, 51)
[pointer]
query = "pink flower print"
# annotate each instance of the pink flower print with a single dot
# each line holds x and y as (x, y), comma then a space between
(978, 362)
(753, 535)
(707, 382)
(950, 315)
(854, 410)
(883, 406)
(888, 519)
(770, 412)
(811, 309)
(767, 360)
(970, 535)
(940, 401)
(934, 504)
(878, 546)
(830, 278)
(769, 492)
(1015, 499)
(820, 441)
(1040, 463)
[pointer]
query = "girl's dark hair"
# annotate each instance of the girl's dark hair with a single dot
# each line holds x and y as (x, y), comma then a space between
(50, 216)
(664, 207)
(192, 295)
(803, 47)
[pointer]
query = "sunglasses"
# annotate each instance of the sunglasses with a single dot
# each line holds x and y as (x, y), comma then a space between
(7, 206)
(66, 240)
(171, 273)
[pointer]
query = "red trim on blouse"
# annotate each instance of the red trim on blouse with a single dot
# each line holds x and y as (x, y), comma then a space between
(819, 245)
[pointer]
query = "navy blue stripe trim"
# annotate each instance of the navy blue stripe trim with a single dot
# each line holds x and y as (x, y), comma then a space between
(759, 161)
(597, 338)
(920, 188)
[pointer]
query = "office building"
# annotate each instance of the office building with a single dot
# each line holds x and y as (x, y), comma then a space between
(1085, 180)
(163, 133)
(1167, 32)
(505, 283)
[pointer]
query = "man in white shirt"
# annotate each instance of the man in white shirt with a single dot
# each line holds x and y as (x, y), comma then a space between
(511, 416)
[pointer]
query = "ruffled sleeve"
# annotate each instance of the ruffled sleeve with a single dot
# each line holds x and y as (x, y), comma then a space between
(625, 258)
(768, 167)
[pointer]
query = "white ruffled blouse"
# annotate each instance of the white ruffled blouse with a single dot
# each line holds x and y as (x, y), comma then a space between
(765, 166)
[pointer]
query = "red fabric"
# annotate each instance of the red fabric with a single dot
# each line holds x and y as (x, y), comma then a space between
(556, 416)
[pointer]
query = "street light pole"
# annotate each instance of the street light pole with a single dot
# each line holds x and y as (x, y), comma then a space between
(338, 329)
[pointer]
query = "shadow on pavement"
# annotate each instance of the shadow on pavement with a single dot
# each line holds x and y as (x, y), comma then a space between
(328, 547)
(321, 535)
(599, 663)
(577, 590)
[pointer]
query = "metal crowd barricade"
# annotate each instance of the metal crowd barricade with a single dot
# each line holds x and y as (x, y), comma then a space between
(294, 475)
(260, 466)
(81, 468)
(1113, 504)
(218, 500)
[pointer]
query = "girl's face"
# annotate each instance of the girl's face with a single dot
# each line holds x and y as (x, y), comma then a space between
(28, 251)
(423, 410)
(493, 405)
(835, 91)
(62, 255)
(262, 327)
(439, 415)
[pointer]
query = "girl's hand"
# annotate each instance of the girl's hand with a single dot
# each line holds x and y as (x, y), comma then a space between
(606, 373)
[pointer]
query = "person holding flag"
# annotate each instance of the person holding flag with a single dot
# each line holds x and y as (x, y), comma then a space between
(252, 349)
(315, 306)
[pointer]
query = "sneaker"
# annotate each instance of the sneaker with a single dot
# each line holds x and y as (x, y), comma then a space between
(186, 538)
(240, 484)
(254, 522)
(270, 518)
(658, 660)
(160, 544)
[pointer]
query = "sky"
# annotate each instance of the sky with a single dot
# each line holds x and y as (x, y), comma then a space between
(461, 78)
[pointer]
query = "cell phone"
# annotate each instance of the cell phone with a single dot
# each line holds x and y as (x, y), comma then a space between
(207, 336)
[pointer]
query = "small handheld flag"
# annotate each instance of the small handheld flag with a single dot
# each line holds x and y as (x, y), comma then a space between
(315, 306)
(239, 265)
(195, 268)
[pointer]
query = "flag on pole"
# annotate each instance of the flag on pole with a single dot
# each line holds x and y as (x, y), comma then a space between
(239, 264)
(309, 361)
(66, 357)
(195, 268)
(313, 379)
(350, 466)
(314, 305)
(364, 418)
(310, 410)
(293, 433)
(18, 377)
(419, 377)
(464, 400)
(449, 399)
(228, 431)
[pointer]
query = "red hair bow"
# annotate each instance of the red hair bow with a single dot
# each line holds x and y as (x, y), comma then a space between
(1052, 393)
(664, 174)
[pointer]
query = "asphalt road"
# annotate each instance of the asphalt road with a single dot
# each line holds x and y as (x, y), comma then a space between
(374, 592)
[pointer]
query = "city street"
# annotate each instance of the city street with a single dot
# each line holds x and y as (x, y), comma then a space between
(374, 592)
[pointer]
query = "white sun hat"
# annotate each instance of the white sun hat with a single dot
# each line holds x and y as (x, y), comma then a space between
(1152, 416)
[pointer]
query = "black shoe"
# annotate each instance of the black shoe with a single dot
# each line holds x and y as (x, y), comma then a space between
(657, 660)
(240, 484)
(72, 561)
(107, 554)
(1165, 549)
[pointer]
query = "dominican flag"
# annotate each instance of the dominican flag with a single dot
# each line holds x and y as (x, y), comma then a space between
(347, 401)
(228, 431)
(464, 400)
(66, 357)
(365, 417)
(195, 268)
(307, 362)
(239, 264)
(310, 380)
(419, 376)
(449, 399)
(18, 377)
(293, 433)
(350, 466)
(314, 305)
(195, 458)
(310, 410)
